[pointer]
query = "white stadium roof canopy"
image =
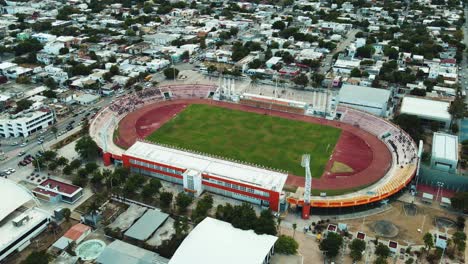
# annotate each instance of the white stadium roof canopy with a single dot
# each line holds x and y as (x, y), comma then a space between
(13, 196)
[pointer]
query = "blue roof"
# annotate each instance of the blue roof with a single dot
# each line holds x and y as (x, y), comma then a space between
(146, 225)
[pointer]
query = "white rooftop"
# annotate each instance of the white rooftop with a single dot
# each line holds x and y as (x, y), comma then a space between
(425, 108)
(445, 146)
(213, 241)
(260, 177)
(363, 95)
(9, 233)
(16, 197)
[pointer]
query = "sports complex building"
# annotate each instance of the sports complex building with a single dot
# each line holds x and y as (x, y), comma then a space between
(19, 223)
(371, 160)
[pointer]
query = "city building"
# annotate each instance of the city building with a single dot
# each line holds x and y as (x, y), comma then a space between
(77, 233)
(444, 152)
(226, 244)
(427, 110)
(18, 223)
(145, 227)
(368, 99)
(56, 191)
(198, 173)
(119, 252)
(25, 123)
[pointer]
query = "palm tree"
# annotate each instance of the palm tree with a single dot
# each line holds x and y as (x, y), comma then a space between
(279, 225)
(54, 130)
(294, 229)
(92, 210)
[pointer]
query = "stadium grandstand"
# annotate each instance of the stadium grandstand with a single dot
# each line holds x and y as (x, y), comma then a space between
(19, 224)
(148, 158)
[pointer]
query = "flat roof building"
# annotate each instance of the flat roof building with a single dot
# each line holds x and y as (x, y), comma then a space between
(146, 225)
(18, 224)
(368, 99)
(119, 252)
(56, 191)
(444, 152)
(198, 173)
(427, 110)
(226, 244)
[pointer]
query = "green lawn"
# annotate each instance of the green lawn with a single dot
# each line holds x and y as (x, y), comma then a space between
(260, 139)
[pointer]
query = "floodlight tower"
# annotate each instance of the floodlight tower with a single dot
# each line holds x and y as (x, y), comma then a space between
(308, 186)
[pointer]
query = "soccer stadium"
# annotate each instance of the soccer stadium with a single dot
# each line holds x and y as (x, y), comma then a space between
(249, 147)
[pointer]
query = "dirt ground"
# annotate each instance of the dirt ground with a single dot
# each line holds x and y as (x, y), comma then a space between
(41, 242)
(408, 225)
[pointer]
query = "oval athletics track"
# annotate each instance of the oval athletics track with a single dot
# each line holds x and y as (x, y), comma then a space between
(368, 156)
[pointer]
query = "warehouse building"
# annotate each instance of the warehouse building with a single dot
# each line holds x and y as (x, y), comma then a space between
(368, 99)
(444, 152)
(18, 224)
(427, 110)
(226, 244)
(199, 173)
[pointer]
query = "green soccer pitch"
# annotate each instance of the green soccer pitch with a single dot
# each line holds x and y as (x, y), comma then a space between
(255, 138)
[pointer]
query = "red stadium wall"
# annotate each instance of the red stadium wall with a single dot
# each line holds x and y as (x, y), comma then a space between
(273, 198)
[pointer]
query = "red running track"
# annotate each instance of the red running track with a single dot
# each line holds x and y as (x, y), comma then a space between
(369, 158)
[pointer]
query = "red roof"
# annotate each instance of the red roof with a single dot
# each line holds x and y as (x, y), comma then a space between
(62, 187)
(45, 192)
(452, 61)
(76, 231)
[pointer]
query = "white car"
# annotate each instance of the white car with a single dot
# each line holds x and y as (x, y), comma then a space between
(11, 170)
(23, 144)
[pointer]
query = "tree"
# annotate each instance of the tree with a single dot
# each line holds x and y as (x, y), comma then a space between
(80, 69)
(459, 240)
(114, 70)
(418, 92)
(460, 201)
(37, 257)
(62, 161)
(183, 201)
(87, 148)
(185, 55)
(23, 104)
(266, 224)
(23, 80)
(50, 83)
(202, 43)
(365, 51)
(411, 124)
(301, 79)
(171, 73)
(331, 245)
(455, 128)
(355, 72)
(380, 260)
(203, 206)
(211, 69)
(382, 250)
(66, 214)
(49, 94)
(255, 64)
(64, 51)
(428, 241)
(280, 25)
(166, 199)
(458, 107)
(54, 130)
(357, 246)
(91, 167)
(286, 245)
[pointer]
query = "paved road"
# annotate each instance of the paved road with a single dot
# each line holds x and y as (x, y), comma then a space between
(11, 152)
(463, 73)
(327, 62)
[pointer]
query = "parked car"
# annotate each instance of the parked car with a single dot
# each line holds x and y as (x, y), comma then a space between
(21, 153)
(24, 144)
